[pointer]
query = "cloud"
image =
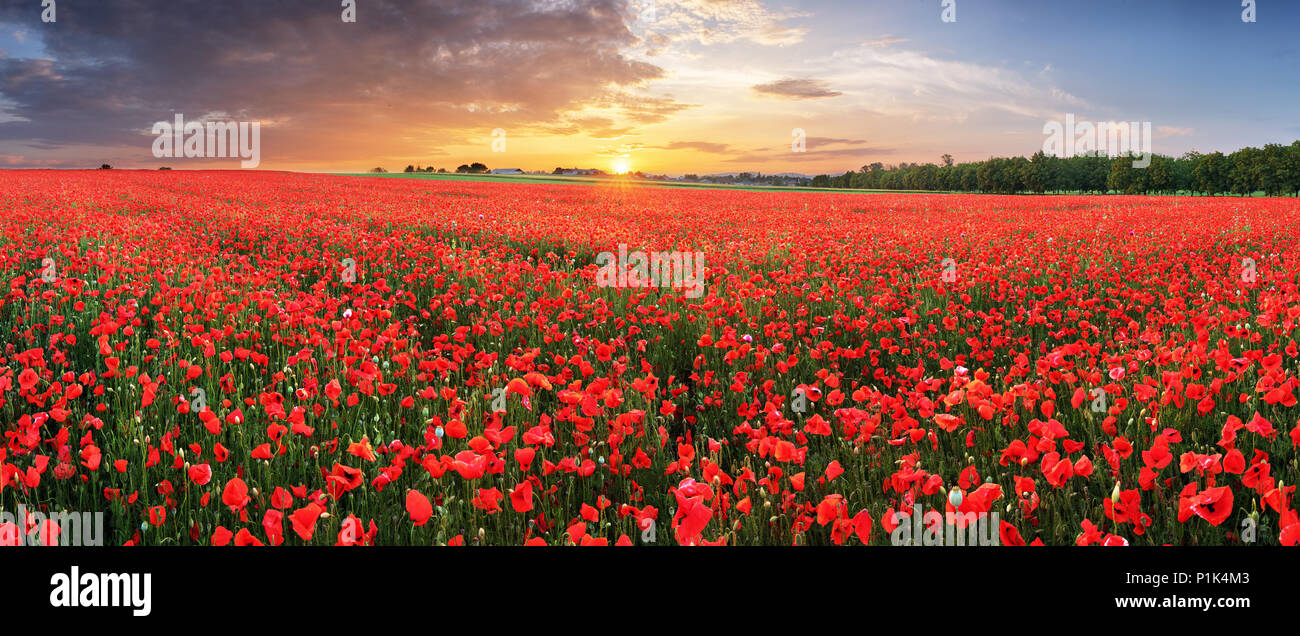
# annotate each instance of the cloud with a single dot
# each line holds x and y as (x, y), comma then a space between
(797, 89)
(916, 86)
(885, 40)
(709, 22)
(831, 141)
(641, 109)
(821, 142)
(595, 127)
(812, 154)
(431, 69)
(702, 146)
(619, 152)
(1170, 131)
(19, 161)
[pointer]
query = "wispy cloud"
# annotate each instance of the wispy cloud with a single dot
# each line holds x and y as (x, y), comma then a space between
(702, 146)
(916, 85)
(812, 155)
(710, 22)
(885, 40)
(797, 89)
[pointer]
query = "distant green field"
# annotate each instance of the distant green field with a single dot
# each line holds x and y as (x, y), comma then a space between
(611, 180)
(627, 181)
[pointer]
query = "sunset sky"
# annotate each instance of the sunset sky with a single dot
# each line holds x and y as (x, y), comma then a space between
(673, 86)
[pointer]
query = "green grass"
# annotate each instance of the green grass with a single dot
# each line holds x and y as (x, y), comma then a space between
(614, 180)
(629, 181)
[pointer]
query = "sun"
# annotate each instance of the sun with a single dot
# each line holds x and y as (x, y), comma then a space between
(621, 166)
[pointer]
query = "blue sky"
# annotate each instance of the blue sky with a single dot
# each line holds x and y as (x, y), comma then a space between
(1190, 63)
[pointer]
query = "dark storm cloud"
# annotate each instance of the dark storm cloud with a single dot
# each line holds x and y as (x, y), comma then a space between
(402, 76)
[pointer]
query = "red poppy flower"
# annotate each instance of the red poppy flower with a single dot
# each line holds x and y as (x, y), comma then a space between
(418, 506)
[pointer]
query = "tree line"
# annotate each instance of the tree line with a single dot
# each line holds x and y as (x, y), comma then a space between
(1273, 170)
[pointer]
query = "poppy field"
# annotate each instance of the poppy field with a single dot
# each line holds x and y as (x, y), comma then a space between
(260, 358)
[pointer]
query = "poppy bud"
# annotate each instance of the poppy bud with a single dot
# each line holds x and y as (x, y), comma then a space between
(1114, 494)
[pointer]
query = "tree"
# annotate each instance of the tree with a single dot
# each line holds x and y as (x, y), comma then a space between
(1243, 173)
(1274, 172)
(1121, 174)
(1209, 173)
(1161, 177)
(1274, 169)
(988, 175)
(1292, 180)
(969, 177)
(1010, 181)
(1034, 173)
(1183, 169)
